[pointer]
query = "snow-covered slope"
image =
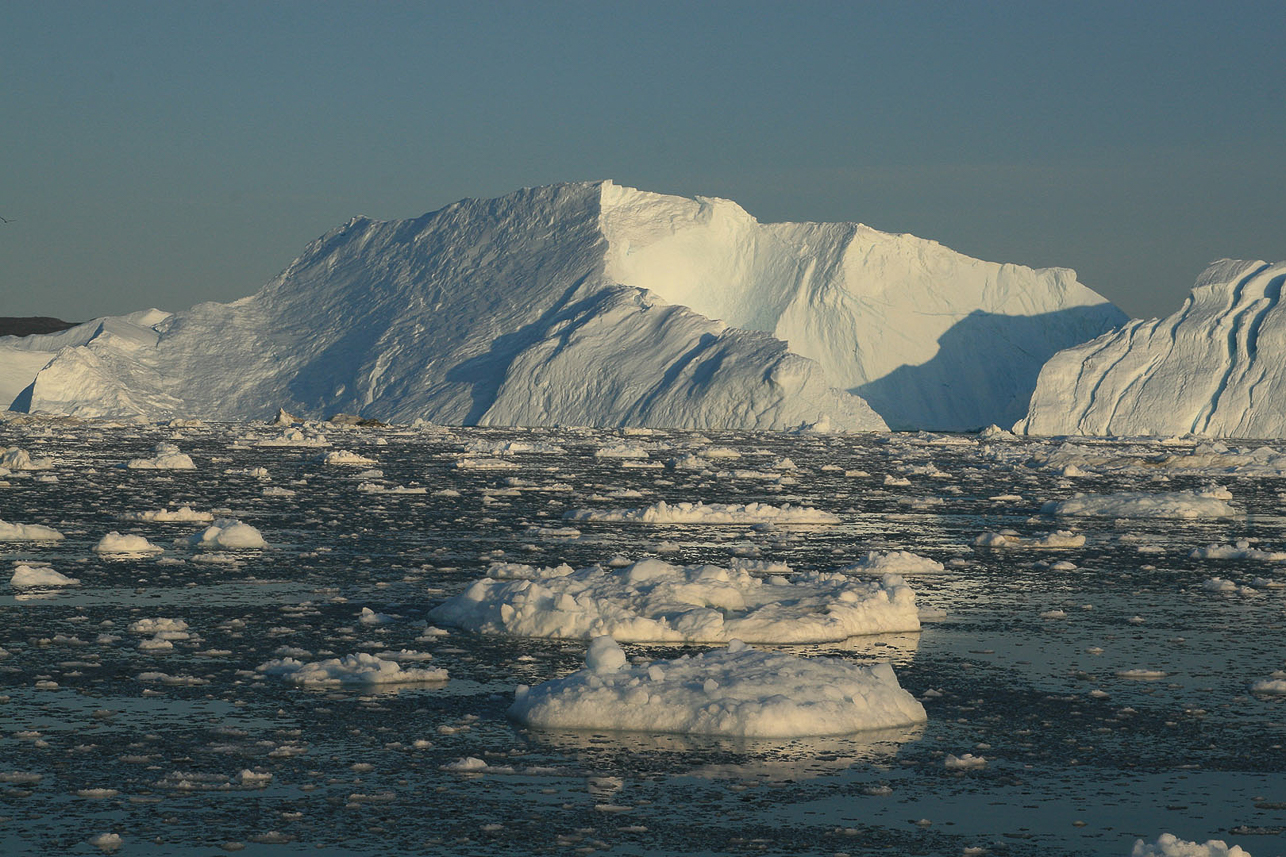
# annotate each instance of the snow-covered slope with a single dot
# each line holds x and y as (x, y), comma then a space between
(594, 304)
(1216, 367)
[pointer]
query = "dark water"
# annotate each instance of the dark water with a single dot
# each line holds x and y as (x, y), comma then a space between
(1080, 760)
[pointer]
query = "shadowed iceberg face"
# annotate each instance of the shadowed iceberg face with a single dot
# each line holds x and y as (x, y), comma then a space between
(985, 369)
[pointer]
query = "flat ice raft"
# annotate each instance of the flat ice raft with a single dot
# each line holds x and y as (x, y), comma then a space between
(734, 692)
(653, 601)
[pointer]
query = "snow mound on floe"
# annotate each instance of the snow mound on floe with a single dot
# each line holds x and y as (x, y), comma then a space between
(1214, 367)
(703, 513)
(736, 692)
(652, 600)
(589, 304)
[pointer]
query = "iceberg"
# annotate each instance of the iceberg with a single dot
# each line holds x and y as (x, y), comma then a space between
(587, 304)
(1213, 368)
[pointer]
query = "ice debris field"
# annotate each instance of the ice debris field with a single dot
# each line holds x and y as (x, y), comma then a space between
(339, 639)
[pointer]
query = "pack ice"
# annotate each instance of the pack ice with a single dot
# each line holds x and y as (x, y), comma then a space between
(588, 304)
(1214, 367)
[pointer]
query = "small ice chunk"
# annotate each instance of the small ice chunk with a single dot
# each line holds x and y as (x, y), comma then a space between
(604, 655)
(967, 762)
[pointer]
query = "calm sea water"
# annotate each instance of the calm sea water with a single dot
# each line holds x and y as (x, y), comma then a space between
(1080, 759)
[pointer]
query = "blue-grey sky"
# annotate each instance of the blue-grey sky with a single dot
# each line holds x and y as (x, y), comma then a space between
(161, 154)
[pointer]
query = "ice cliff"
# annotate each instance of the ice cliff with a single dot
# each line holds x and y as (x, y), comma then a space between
(590, 304)
(1215, 367)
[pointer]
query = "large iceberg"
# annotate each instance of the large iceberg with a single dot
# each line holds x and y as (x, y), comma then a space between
(588, 304)
(1215, 367)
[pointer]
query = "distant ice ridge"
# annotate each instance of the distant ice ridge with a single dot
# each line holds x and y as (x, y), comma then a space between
(737, 692)
(1215, 367)
(588, 304)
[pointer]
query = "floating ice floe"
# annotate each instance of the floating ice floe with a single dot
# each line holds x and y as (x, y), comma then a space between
(1274, 684)
(295, 437)
(360, 668)
(376, 488)
(702, 513)
(967, 762)
(106, 842)
(27, 533)
(511, 447)
(13, 458)
(894, 562)
(229, 534)
(344, 457)
(167, 457)
(39, 577)
(1169, 845)
(183, 514)
(736, 692)
(116, 543)
(652, 600)
(1241, 550)
(1141, 504)
(1057, 540)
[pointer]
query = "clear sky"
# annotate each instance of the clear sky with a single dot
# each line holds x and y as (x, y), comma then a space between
(161, 154)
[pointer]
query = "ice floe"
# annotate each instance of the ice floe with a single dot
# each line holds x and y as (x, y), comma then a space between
(116, 543)
(1169, 845)
(27, 533)
(360, 668)
(13, 458)
(1211, 503)
(39, 577)
(167, 457)
(738, 691)
(703, 513)
(229, 534)
(652, 600)
(183, 514)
